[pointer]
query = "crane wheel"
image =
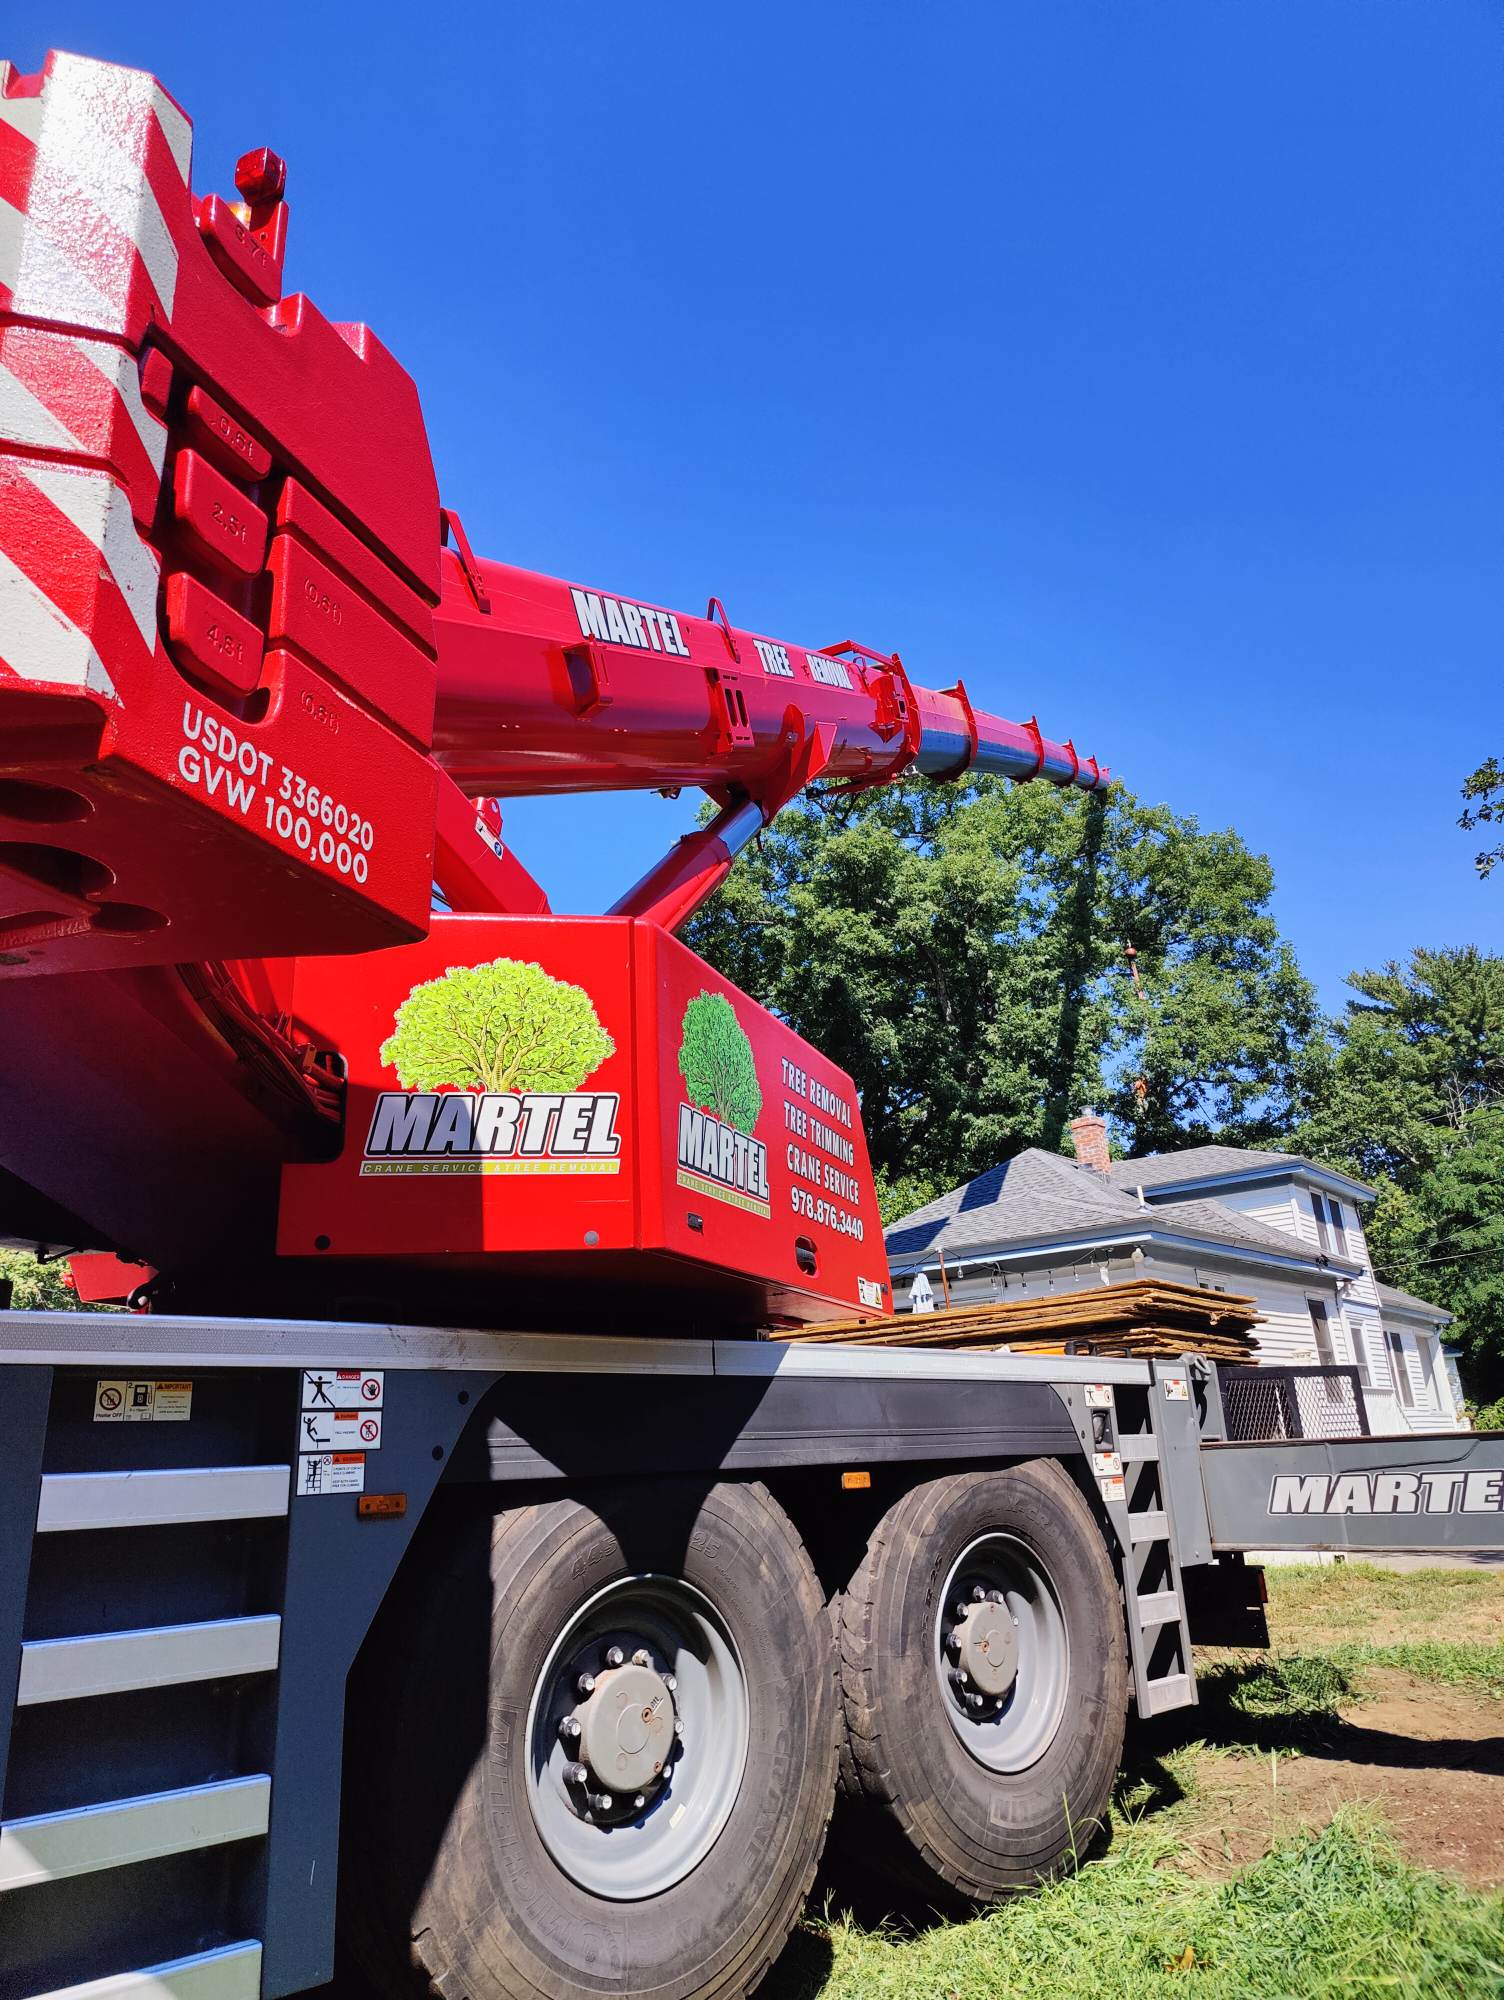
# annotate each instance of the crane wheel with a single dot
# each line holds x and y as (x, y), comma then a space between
(984, 1684)
(592, 1752)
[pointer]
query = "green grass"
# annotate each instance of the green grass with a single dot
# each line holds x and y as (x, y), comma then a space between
(1329, 1914)
(1333, 1913)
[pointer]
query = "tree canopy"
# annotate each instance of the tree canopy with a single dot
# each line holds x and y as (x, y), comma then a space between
(1413, 1102)
(508, 1025)
(961, 951)
(1484, 791)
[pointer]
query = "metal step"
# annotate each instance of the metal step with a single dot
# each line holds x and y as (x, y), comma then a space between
(231, 1973)
(75, 1500)
(1142, 1447)
(1152, 1526)
(1174, 1691)
(49, 1847)
(1158, 1607)
(159, 1656)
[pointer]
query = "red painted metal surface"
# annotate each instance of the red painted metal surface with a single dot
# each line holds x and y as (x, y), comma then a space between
(253, 711)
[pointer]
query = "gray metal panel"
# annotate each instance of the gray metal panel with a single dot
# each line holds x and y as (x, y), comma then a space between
(161, 1656)
(52, 1846)
(339, 1568)
(77, 1500)
(231, 1973)
(1439, 1492)
(1177, 1426)
(162, 1341)
(23, 1434)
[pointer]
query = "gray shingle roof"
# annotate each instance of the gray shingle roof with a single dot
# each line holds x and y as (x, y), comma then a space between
(1391, 1295)
(1037, 1195)
(1201, 1163)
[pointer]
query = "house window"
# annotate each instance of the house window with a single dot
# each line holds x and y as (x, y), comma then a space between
(1318, 1209)
(1403, 1387)
(1321, 1327)
(1339, 1226)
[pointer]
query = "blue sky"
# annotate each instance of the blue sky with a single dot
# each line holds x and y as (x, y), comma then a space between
(1139, 362)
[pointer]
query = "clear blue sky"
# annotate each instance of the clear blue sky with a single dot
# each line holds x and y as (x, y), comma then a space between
(1140, 362)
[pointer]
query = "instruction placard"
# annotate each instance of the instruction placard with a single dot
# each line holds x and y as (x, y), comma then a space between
(136, 1402)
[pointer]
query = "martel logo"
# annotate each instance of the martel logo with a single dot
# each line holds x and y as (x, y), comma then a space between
(1387, 1493)
(493, 1057)
(717, 1153)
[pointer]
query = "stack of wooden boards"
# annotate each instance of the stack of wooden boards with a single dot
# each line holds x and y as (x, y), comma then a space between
(1142, 1317)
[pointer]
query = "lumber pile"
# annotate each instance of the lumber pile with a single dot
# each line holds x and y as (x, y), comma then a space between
(1144, 1317)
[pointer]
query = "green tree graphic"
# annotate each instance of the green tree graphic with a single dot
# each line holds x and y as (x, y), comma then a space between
(508, 1025)
(715, 1060)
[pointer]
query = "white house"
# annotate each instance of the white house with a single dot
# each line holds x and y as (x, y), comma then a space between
(1282, 1229)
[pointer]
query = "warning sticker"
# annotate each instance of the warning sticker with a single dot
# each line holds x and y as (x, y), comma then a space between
(1112, 1490)
(339, 1430)
(122, 1402)
(1107, 1465)
(1098, 1396)
(1177, 1389)
(344, 1388)
(332, 1472)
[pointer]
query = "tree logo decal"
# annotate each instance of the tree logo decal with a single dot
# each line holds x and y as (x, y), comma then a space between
(508, 1025)
(492, 1059)
(717, 1154)
(715, 1060)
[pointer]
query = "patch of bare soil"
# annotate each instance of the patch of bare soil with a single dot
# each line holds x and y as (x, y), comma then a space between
(1429, 1759)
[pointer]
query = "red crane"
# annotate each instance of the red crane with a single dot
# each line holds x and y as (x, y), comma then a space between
(253, 710)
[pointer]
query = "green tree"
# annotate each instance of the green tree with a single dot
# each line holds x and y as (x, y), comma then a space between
(1486, 786)
(715, 1060)
(37, 1285)
(960, 951)
(1413, 1102)
(508, 1025)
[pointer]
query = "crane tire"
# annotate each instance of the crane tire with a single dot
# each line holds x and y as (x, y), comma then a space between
(961, 1810)
(471, 1861)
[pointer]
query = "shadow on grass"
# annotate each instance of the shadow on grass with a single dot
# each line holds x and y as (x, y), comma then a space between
(1288, 1706)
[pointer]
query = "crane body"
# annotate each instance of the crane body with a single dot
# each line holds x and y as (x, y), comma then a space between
(455, 1559)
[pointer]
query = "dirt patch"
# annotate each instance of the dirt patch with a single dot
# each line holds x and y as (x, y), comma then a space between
(1429, 1759)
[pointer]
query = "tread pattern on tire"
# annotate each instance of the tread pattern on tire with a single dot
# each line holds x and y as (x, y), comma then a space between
(901, 1848)
(527, 1539)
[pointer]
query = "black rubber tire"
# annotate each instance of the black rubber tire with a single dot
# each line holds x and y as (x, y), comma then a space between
(936, 1822)
(444, 1865)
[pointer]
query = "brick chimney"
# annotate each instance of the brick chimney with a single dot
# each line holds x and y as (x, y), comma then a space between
(1089, 1137)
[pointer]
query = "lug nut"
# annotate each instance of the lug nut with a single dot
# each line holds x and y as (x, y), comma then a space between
(994, 1597)
(671, 1683)
(601, 1801)
(569, 1729)
(642, 1657)
(961, 1607)
(960, 1677)
(576, 1774)
(639, 1802)
(978, 1595)
(678, 1727)
(585, 1684)
(614, 1656)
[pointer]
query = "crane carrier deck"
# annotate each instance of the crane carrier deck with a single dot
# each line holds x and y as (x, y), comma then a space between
(197, 1538)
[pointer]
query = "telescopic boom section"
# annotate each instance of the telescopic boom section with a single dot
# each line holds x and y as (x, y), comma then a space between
(549, 687)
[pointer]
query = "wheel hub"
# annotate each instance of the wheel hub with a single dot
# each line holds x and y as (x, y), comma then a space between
(985, 1640)
(626, 1728)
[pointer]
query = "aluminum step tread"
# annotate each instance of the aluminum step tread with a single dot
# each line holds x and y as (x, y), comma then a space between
(233, 1972)
(49, 1847)
(78, 1500)
(98, 1663)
